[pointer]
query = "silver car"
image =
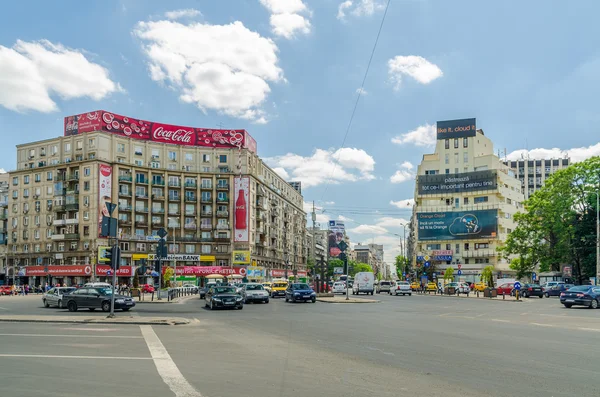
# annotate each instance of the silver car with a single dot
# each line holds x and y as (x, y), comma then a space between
(54, 296)
(255, 292)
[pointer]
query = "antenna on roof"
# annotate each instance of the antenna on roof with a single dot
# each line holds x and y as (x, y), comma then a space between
(220, 125)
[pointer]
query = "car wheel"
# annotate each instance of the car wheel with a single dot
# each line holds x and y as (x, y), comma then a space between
(313, 300)
(205, 304)
(547, 295)
(541, 296)
(594, 304)
(72, 306)
(125, 309)
(267, 301)
(106, 306)
(371, 292)
(409, 294)
(46, 304)
(293, 299)
(568, 305)
(92, 309)
(241, 307)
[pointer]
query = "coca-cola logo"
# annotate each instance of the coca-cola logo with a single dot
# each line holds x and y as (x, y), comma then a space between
(178, 136)
(105, 170)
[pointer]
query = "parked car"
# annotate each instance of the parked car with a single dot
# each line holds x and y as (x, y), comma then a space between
(223, 296)
(528, 290)
(54, 296)
(339, 287)
(479, 286)
(278, 288)
(401, 287)
(384, 286)
(95, 298)
(255, 292)
(363, 283)
(190, 287)
(550, 284)
(431, 287)
(581, 295)
(557, 289)
(505, 288)
(5, 289)
(97, 285)
(147, 288)
(267, 287)
(300, 292)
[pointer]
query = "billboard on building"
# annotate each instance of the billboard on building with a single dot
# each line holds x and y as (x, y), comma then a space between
(457, 225)
(130, 127)
(104, 193)
(336, 237)
(462, 128)
(457, 183)
(102, 254)
(241, 257)
(241, 192)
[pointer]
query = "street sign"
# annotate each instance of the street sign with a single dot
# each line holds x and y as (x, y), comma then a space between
(162, 233)
(517, 285)
(427, 264)
(459, 272)
(109, 272)
(533, 275)
(459, 267)
(403, 274)
(342, 245)
(110, 207)
(434, 275)
(426, 257)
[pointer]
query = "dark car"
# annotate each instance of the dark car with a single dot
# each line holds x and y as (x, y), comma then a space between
(96, 298)
(528, 290)
(557, 289)
(223, 296)
(581, 295)
(300, 292)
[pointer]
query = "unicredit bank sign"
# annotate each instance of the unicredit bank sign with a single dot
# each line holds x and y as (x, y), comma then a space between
(101, 120)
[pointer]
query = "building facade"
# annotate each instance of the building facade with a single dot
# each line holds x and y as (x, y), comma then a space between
(533, 172)
(5, 273)
(465, 200)
(211, 199)
(372, 255)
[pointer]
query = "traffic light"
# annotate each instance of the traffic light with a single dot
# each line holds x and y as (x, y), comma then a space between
(113, 255)
(157, 268)
(161, 249)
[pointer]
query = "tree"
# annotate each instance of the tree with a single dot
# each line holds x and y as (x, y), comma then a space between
(402, 266)
(167, 276)
(136, 280)
(360, 267)
(487, 276)
(449, 274)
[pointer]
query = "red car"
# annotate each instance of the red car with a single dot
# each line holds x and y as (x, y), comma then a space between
(147, 289)
(505, 288)
(5, 289)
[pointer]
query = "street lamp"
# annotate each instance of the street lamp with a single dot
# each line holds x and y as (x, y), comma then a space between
(597, 193)
(174, 221)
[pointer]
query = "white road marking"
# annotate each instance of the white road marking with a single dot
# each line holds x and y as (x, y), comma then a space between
(524, 314)
(589, 329)
(85, 357)
(542, 325)
(76, 336)
(3, 308)
(92, 329)
(500, 320)
(165, 365)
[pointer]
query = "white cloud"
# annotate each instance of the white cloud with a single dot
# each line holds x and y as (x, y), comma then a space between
(359, 8)
(2, 171)
(30, 72)
(405, 174)
(576, 154)
(329, 202)
(388, 221)
(424, 135)
(413, 66)
(408, 165)
(405, 204)
(369, 229)
(184, 13)
(286, 19)
(346, 164)
(361, 91)
(282, 173)
(345, 218)
(226, 68)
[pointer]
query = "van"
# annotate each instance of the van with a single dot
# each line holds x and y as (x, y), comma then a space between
(97, 285)
(364, 282)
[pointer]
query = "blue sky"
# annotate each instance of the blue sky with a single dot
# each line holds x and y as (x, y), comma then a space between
(288, 72)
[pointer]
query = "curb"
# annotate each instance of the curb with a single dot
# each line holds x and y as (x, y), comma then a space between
(179, 321)
(349, 301)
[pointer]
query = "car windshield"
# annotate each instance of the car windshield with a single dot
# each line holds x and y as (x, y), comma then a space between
(66, 290)
(225, 290)
(403, 283)
(254, 287)
(300, 286)
(385, 283)
(580, 288)
(104, 291)
(280, 285)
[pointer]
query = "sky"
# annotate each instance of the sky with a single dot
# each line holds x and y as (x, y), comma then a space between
(291, 73)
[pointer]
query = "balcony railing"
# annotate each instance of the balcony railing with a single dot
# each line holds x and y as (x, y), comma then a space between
(141, 209)
(124, 222)
(174, 184)
(158, 183)
(207, 213)
(222, 186)
(125, 178)
(72, 221)
(223, 213)
(72, 207)
(72, 177)
(158, 197)
(141, 223)
(206, 186)
(174, 212)
(206, 200)
(125, 208)
(190, 199)
(174, 198)
(125, 194)
(223, 200)
(222, 226)
(191, 185)
(157, 222)
(222, 239)
(205, 227)
(190, 226)
(141, 195)
(141, 181)
(158, 210)
(72, 236)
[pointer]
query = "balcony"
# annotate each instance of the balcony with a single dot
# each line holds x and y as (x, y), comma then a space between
(190, 226)
(141, 195)
(191, 185)
(158, 210)
(59, 207)
(158, 197)
(205, 227)
(174, 184)
(175, 213)
(260, 204)
(190, 199)
(190, 213)
(223, 214)
(141, 209)
(206, 186)
(222, 226)
(223, 186)
(223, 200)
(72, 221)
(125, 208)
(124, 222)
(72, 207)
(72, 177)
(125, 178)
(174, 198)
(207, 200)
(124, 193)
(141, 181)
(59, 192)
(143, 223)
(158, 183)
(58, 237)
(207, 213)
(3, 217)
(157, 222)
(222, 239)
(206, 239)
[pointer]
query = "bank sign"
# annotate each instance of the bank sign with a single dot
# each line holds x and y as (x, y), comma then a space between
(462, 128)
(457, 183)
(457, 225)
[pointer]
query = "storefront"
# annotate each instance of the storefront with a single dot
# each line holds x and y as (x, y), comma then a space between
(53, 274)
(124, 274)
(201, 272)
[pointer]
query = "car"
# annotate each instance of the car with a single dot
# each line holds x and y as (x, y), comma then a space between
(300, 292)
(414, 286)
(255, 292)
(528, 290)
(278, 289)
(479, 286)
(97, 285)
(339, 287)
(223, 296)
(581, 295)
(505, 288)
(5, 289)
(557, 289)
(238, 287)
(401, 287)
(363, 283)
(190, 287)
(54, 296)
(267, 287)
(96, 298)
(147, 288)
(384, 286)
(464, 287)
(431, 287)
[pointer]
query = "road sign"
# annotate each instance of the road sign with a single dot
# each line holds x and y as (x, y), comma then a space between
(533, 275)
(434, 274)
(459, 267)
(427, 264)
(426, 257)
(162, 232)
(109, 272)
(110, 207)
(403, 274)
(517, 285)
(459, 272)
(342, 245)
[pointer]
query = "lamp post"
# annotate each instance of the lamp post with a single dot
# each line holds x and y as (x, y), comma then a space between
(597, 193)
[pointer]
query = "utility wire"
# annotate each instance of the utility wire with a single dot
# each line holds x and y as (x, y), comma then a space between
(360, 91)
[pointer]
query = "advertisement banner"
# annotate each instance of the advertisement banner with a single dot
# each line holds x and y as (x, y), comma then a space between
(241, 257)
(104, 193)
(184, 258)
(335, 238)
(241, 191)
(456, 128)
(207, 270)
(338, 270)
(457, 183)
(102, 256)
(256, 272)
(58, 271)
(130, 127)
(457, 225)
(279, 273)
(124, 271)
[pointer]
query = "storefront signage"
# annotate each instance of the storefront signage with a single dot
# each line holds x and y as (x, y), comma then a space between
(442, 252)
(206, 270)
(281, 273)
(457, 183)
(124, 271)
(184, 258)
(58, 271)
(457, 225)
(456, 128)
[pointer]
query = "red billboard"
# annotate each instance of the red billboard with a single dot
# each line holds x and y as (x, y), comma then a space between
(281, 273)
(102, 120)
(124, 271)
(206, 270)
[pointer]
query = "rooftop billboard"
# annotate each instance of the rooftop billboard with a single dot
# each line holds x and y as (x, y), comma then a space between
(457, 183)
(457, 225)
(102, 120)
(462, 128)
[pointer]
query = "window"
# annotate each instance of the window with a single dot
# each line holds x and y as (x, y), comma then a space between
(86, 171)
(172, 156)
(222, 158)
(86, 230)
(447, 158)
(465, 142)
(465, 202)
(49, 175)
(482, 245)
(173, 194)
(206, 158)
(457, 248)
(53, 149)
(455, 143)
(120, 147)
(447, 144)
(155, 164)
(465, 157)
(124, 246)
(37, 177)
(86, 185)
(447, 170)
(67, 147)
(172, 167)
(25, 193)
(481, 199)
(15, 194)
(15, 181)
(206, 249)
(42, 151)
(155, 153)
(466, 246)
(206, 196)
(79, 145)
(190, 249)
(456, 158)
(174, 181)
(174, 248)
(508, 230)
(26, 179)
(86, 215)
(138, 151)
(189, 157)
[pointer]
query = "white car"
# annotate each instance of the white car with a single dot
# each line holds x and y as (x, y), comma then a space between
(401, 288)
(254, 292)
(339, 287)
(54, 296)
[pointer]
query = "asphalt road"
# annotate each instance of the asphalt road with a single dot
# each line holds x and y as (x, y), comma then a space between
(418, 345)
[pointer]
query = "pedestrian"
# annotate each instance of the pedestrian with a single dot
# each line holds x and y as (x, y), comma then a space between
(26, 289)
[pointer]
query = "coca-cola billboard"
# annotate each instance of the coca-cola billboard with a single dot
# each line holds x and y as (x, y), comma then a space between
(101, 120)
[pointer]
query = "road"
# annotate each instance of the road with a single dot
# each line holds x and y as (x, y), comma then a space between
(418, 345)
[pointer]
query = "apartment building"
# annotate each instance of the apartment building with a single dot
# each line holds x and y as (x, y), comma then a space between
(211, 197)
(371, 254)
(4, 271)
(465, 200)
(533, 172)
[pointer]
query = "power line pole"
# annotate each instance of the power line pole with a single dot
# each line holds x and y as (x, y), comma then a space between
(314, 220)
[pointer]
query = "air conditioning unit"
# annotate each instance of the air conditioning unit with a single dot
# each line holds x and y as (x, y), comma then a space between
(86, 245)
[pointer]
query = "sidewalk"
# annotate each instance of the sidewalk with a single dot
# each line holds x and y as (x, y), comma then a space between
(102, 319)
(342, 299)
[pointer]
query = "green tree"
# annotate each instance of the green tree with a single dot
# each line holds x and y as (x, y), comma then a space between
(449, 274)
(402, 266)
(360, 267)
(167, 276)
(487, 276)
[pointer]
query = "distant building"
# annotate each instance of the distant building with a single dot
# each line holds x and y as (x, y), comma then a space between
(533, 172)
(371, 254)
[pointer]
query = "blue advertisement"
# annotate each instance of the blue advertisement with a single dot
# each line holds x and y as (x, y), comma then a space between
(458, 225)
(462, 128)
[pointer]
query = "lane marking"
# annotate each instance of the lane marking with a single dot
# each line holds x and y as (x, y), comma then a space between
(500, 320)
(93, 329)
(78, 357)
(76, 336)
(524, 314)
(166, 367)
(589, 329)
(542, 325)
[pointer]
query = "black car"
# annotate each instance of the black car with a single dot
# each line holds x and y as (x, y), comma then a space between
(223, 296)
(581, 295)
(557, 289)
(96, 298)
(300, 292)
(528, 290)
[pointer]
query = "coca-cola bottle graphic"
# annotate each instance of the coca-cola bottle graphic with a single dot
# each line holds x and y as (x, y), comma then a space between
(240, 211)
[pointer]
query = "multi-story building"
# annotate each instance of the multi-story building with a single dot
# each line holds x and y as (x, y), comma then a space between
(4, 271)
(465, 200)
(372, 255)
(207, 188)
(533, 172)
